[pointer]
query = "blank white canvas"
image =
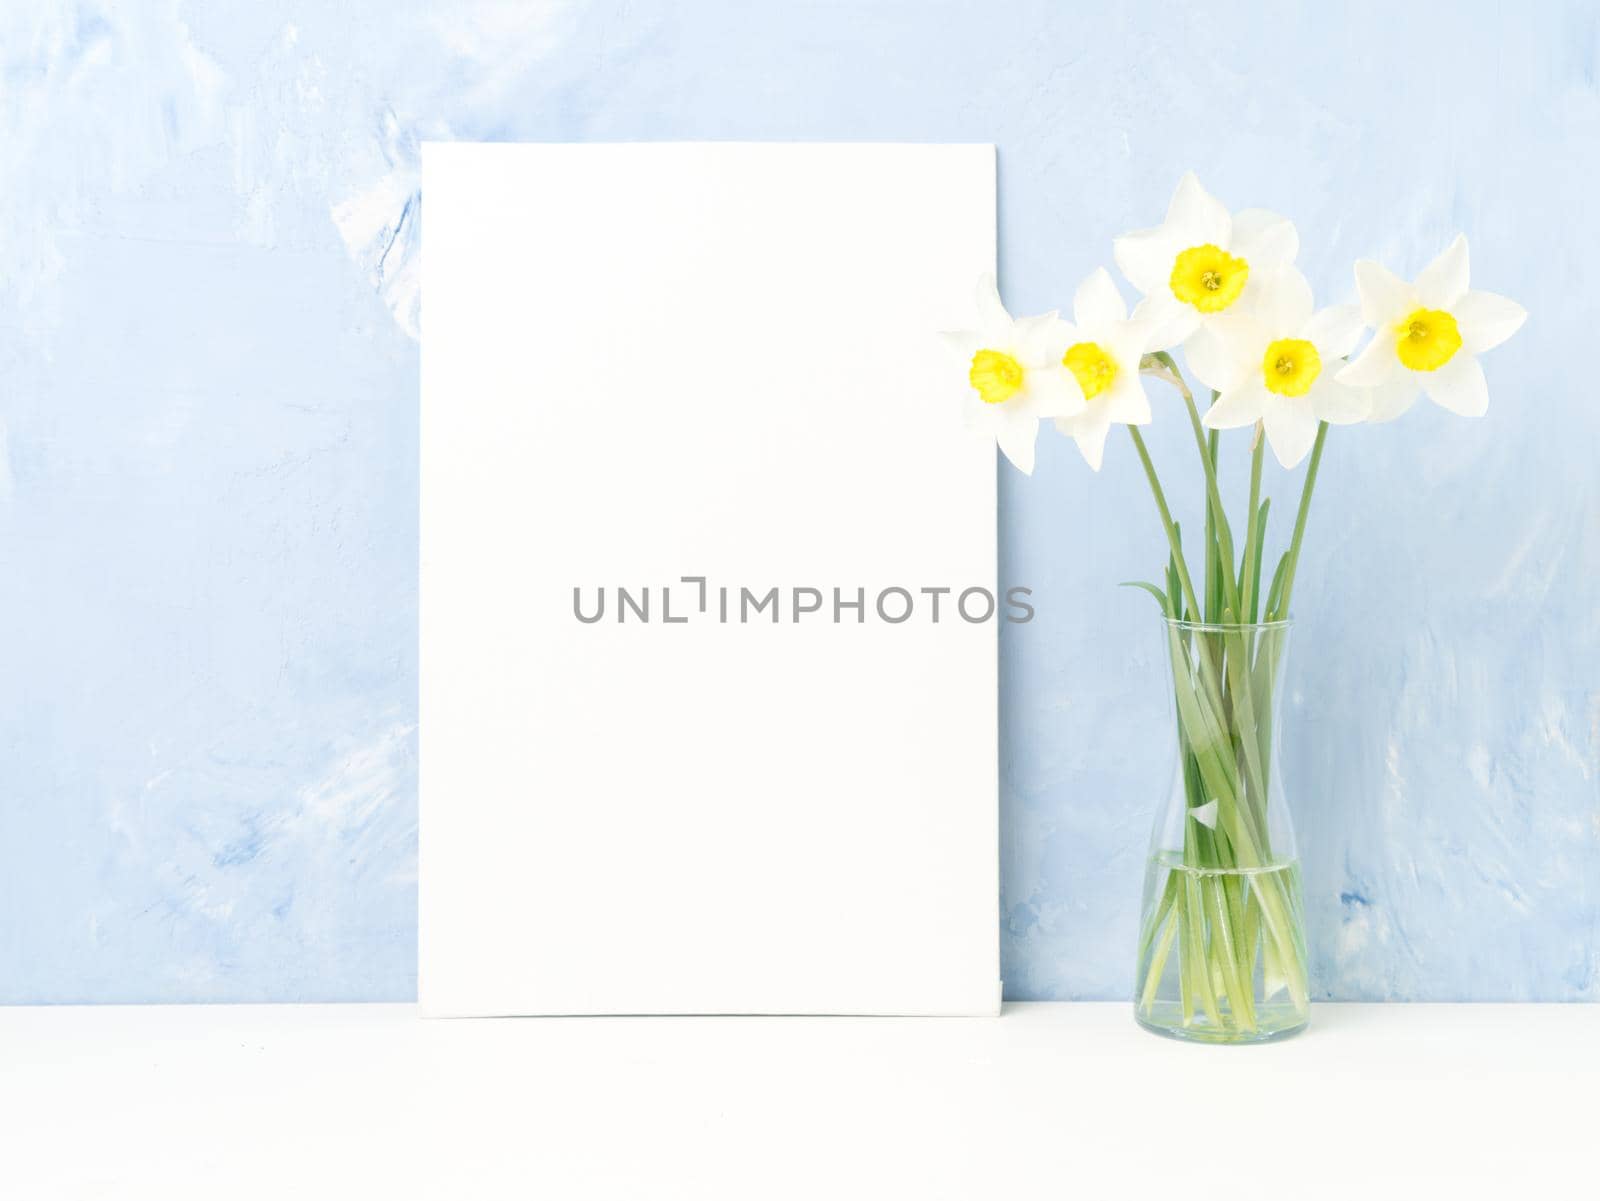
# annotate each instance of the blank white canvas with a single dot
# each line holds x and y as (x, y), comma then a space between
(645, 362)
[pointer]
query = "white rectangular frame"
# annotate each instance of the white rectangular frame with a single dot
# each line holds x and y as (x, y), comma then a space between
(648, 362)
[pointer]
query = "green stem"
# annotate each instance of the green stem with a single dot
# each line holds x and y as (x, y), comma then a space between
(1158, 965)
(1213, 567)
(1207, 671)
(1225, 950)
(1300, 521)
(1173, 376)
(1154, 950)
(1166, 368)
(1166, 519)
(1198, 957)
(1247, 585)
(1254, 795)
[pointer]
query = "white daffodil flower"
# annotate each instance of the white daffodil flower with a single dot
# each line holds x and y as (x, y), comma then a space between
(1015, 372)
(1278, 365)
(1102, 354)
(1428, 335)
(1203, 266)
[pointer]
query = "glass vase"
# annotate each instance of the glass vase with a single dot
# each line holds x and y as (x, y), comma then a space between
(1222, 956)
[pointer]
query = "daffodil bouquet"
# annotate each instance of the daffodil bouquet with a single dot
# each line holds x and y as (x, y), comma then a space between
(1222, 947)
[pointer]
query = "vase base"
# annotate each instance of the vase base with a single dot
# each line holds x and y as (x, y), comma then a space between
(1273, 1024)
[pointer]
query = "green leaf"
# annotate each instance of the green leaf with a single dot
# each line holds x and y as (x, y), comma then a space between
(1255, 566)
(1174, 584)
(1161, 597)
(1275, 593)
(1212, 597)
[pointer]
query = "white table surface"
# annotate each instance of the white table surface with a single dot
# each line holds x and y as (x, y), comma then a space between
(1046, 1101)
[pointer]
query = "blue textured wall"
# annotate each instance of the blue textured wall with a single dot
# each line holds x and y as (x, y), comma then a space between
(208, 390)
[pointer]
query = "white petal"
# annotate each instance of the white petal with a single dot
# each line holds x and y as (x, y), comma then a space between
(1128, 341)
(1486, 320)
(962, 344)
(1336, 403)
(1264, 240)
(1291, 428)
(1016, 436)
(1216, 355)
(1376, 365)
(1241, 405)
(1394, 398)
(1206, 814)
(1196, 216)
(1171, 322)
(993, 321)
(1283, 301)
(1089, 432)
(1097, 303)
(1385, 297)
(1443, 282)
(1334, 332)
(1053, 392)
(1238, 323)
(1125, 400)
(1458, 386)
(984, 419)
(1062, 335)
(1145, 257)
(1034, 337)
